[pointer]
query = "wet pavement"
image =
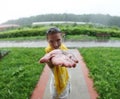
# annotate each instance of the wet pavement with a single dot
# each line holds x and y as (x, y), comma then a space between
(78, 82)
(74, 44)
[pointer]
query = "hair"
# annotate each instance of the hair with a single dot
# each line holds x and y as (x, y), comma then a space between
(53, 31)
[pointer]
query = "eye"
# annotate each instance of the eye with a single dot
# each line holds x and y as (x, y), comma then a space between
(51, 41)
(58, 40)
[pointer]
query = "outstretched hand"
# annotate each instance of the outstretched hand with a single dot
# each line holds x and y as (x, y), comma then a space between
(59, 58)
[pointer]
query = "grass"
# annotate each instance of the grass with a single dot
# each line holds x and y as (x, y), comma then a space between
(23, 38)
(3, 53)
(104, 66)
(80, 37)
(68, 38)
(19, 72)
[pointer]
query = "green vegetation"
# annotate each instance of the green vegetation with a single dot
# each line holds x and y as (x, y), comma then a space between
(104, 66)
(80, 38)
(67, 38)
(88, 18)
(23, 32)
(24, 38)
(87, 30)
(3, 53)
(19, 72)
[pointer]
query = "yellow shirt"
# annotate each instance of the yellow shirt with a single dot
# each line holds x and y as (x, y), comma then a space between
(60, 73)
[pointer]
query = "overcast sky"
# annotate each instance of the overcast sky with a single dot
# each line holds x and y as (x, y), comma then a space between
(14, 9)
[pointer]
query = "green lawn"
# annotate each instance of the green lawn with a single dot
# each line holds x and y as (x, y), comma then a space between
(19, 72)
(80, 37)
(104, 66)
(68, 38)
(24, 38)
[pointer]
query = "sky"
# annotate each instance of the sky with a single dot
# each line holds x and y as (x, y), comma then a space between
(14, 9)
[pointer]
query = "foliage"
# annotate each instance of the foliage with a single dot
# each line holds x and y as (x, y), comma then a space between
(89, 18)
(104, 66)
(22, 33)
(24, 38)
(3, 53)
(79, 38)
(65, 38)
(19, 72)
(72, 29)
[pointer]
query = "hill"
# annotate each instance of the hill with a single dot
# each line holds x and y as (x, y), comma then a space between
(93, 18)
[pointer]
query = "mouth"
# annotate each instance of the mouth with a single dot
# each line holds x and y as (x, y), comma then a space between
(56, 47)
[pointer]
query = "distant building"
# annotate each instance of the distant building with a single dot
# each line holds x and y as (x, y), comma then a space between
(8, 26)
(57, 22)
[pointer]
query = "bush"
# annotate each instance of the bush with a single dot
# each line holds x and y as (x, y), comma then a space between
(68, 29)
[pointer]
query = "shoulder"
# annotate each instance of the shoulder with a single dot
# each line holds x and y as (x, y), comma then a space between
(48, 49)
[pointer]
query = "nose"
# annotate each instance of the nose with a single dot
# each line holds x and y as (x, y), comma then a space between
(55, 45)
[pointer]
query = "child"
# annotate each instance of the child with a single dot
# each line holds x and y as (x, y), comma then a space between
(60, 81)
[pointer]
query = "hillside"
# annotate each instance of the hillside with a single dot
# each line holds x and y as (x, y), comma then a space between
(94, 18)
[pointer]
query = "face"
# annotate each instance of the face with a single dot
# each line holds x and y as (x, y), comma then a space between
(55, 40)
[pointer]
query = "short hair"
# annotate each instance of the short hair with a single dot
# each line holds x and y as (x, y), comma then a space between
(53, 31)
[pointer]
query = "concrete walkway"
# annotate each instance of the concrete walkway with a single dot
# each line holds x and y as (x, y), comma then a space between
(74, 44)
(81, 88)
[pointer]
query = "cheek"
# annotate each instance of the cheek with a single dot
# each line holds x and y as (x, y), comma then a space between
(59, 43)
(51, 43)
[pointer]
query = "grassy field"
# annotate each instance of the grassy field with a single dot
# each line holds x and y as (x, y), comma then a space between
(104, 66)
(68, 38)
(19, 72)
(24, 38)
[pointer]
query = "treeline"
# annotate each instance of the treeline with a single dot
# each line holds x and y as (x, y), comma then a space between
(106, 20)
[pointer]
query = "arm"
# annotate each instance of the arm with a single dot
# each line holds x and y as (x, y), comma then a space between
(59, 58)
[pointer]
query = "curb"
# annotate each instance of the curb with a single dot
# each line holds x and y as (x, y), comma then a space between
(89, 81)
(41, 85)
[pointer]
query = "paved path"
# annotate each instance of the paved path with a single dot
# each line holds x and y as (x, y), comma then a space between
(80, 86)
(68, 44)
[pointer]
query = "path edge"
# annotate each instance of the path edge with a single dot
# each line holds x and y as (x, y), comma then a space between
(39, 90)
(93, 93)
